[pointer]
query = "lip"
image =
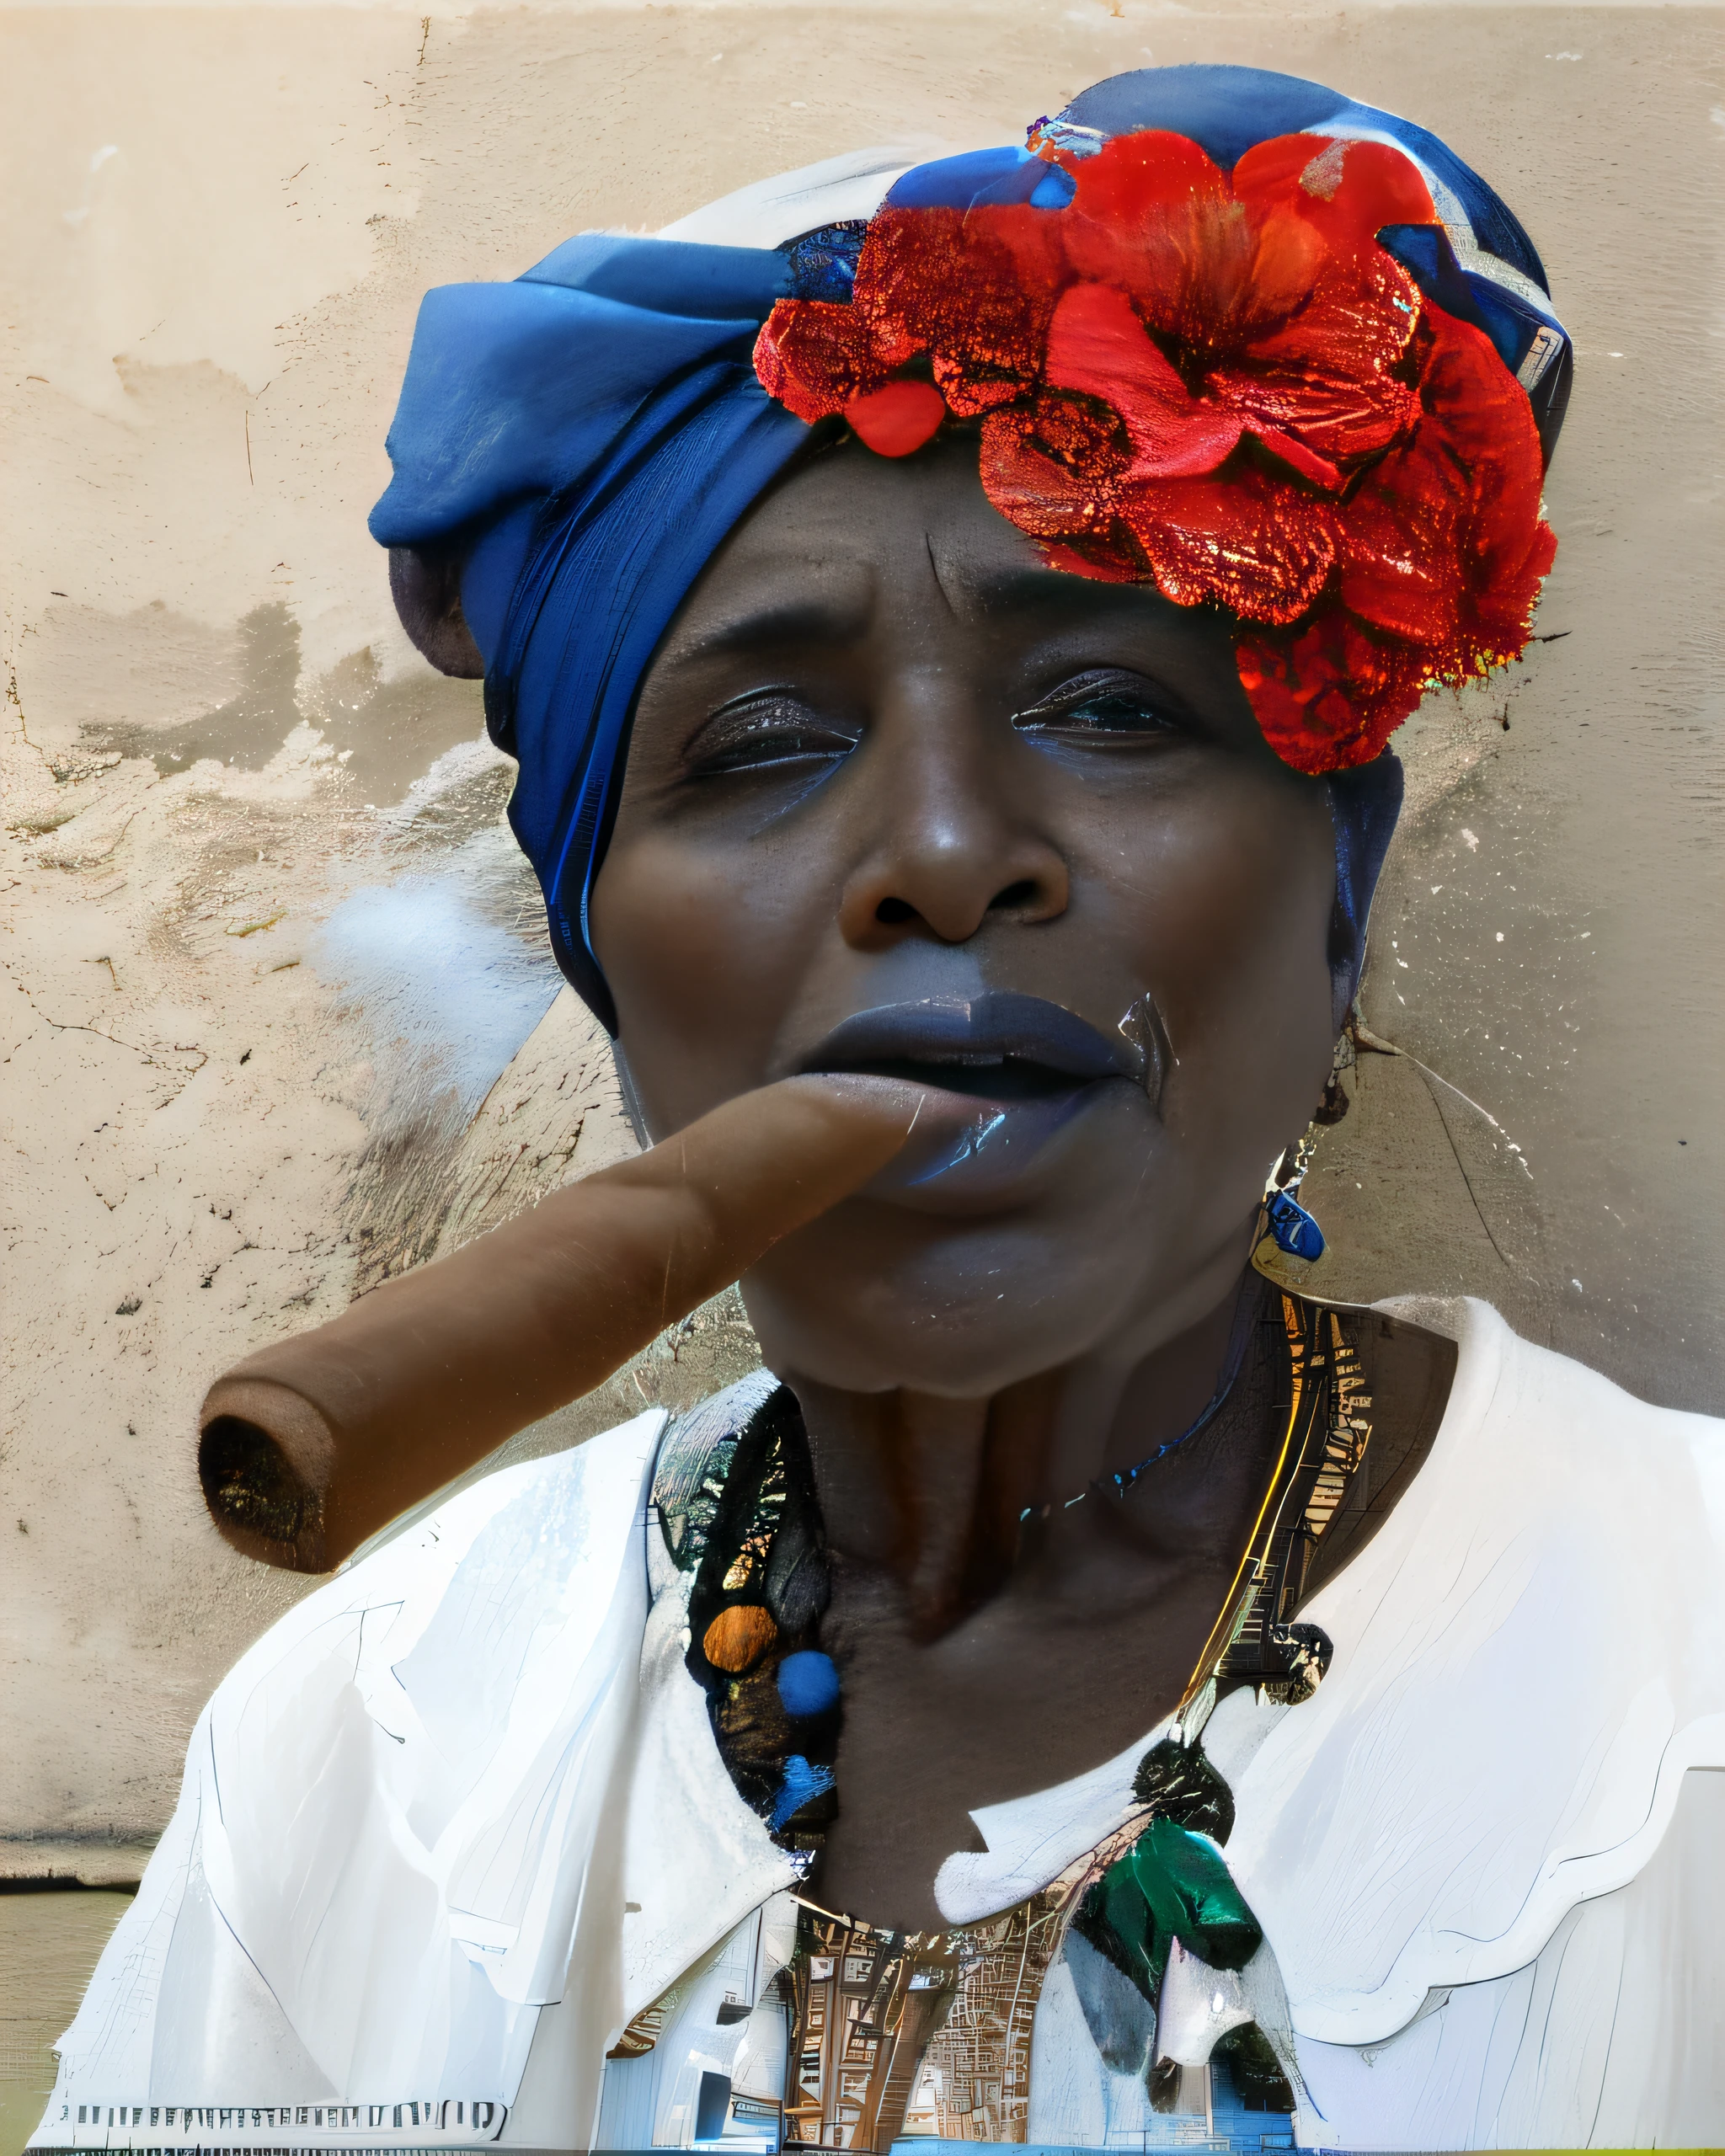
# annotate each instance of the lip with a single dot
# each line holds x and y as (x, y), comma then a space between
(999, 1034)
(1011, 1071)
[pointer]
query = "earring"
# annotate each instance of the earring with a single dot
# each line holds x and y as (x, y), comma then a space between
(1286, 1222)
(1293, 1228)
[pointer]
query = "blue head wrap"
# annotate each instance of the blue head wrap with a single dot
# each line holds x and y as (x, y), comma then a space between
(584, 439)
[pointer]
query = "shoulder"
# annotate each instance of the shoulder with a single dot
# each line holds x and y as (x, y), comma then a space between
(540, 1535)
(1525, 1670)
(553, 1529)
(1548, 1403)
(1540, 1462)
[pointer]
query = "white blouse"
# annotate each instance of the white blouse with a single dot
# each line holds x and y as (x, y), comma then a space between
(459, 1816)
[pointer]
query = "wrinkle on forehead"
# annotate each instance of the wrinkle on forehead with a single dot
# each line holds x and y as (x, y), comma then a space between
(851, 508)
(807, 603)
(824, 553)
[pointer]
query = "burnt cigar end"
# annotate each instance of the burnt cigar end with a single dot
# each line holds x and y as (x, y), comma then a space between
(257, 1499)
(311, 1446)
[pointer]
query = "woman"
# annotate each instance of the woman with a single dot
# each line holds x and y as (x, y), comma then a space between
(1084, 1689)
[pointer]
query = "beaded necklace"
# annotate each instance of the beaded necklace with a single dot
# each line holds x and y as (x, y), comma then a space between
(749, 1526)
(1155, 1903)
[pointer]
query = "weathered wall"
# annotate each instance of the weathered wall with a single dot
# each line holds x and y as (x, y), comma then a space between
(271, 957)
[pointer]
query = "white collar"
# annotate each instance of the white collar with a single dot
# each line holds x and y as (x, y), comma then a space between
(1522, 1671)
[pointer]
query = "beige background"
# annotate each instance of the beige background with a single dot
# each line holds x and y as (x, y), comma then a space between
(271, 958)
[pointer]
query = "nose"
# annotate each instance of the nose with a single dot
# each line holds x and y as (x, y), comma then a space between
(960, 842)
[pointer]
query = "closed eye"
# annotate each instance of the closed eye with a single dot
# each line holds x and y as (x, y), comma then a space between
(1108, 705)
(763, 729)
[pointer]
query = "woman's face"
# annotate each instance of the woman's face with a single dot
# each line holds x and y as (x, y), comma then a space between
(901, 797)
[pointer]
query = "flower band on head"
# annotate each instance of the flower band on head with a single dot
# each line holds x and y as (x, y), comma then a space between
(1356, 479)
(1224, 384)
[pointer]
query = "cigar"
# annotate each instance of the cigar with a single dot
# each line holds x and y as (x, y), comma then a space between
(310, 1446)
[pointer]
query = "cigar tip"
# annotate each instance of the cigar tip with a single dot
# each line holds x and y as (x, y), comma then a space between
(255, 1498)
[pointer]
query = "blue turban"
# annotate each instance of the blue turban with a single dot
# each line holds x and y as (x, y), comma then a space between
(584, 439)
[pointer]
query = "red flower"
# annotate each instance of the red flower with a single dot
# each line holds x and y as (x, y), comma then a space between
(1224, 385)
(1284, 320)
(1329, 696)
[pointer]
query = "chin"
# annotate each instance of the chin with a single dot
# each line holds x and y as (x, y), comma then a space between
(957, 1348)
(870, 1300)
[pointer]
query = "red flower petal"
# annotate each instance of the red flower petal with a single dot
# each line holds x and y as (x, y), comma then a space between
(974, 293)
(1328, 697)
(1246, 541)
(1097, 344)
(815, 357)
(1102, 560)
(1444, 543)
(1348, 191)
(1486, 423)
(1269, 278)
(905, 266)
(1399, 547)
(1330, 378)
(897, 419)
(1151, 213)
(969, 393)
(1305, 461)
(1043, 495)
(1081, 432)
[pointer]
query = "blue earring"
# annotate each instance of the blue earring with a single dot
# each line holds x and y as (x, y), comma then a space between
(1292, 1227)
(1294, 1230)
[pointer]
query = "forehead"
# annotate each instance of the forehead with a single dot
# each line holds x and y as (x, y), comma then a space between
(849, 543)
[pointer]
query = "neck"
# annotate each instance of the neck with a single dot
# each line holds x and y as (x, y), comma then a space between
(933, 1492)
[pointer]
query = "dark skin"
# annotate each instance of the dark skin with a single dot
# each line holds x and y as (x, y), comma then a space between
(886, 753)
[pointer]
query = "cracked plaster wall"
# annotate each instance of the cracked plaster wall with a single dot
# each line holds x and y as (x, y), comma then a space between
(279, 1021)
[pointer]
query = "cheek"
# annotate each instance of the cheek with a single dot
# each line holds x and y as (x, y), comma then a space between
(704, 948)
(1226, 904)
